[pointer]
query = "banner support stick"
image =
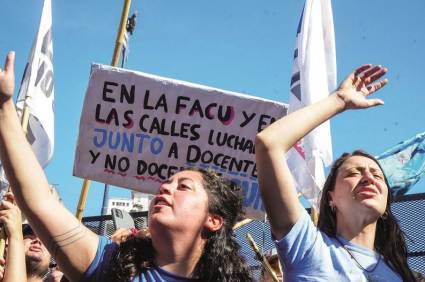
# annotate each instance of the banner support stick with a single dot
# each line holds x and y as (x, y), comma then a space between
(115, 58)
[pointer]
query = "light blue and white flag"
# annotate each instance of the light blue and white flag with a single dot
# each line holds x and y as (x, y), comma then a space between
(404, 164)
(313, 78)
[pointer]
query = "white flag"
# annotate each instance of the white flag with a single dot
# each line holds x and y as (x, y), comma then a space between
(36, 90)
(313, 78)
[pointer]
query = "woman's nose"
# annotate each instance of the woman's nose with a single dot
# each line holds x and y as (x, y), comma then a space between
(367, 177)
(165, 188)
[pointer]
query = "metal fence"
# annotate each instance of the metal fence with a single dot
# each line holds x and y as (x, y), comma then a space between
(409, 210)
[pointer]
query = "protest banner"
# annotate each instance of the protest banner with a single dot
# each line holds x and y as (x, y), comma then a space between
(138, 129)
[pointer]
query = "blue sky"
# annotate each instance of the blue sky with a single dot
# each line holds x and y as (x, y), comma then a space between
(240, 45)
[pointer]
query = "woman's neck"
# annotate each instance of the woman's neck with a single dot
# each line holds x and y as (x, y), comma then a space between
(357, 229)
(178, 253)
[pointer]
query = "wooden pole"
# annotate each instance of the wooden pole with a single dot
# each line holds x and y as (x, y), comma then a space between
(242, 223)
(120, 36)
(261, 257)
(115, 58)
(83, 198)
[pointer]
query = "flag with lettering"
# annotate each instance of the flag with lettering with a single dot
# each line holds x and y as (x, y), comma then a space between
(404, 164)
(37, 91)
(313, 78)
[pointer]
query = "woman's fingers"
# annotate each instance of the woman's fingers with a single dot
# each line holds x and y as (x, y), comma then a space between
(374, 74)
(361, 69)
(6, 205)
(9, 64)
(376, 86)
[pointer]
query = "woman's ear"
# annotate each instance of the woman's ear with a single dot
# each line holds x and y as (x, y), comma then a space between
(330, 196)
(214, 222)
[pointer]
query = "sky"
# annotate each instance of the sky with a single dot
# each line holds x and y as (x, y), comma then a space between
(240, 45)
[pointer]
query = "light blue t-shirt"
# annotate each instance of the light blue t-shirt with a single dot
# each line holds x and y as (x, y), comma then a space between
(308, 254)
(98, 269)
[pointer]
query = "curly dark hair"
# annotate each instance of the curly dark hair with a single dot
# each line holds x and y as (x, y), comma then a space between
(220, 259)
(389, 238)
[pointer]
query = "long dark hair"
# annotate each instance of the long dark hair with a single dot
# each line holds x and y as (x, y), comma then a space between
(389, 238)
(220, 259)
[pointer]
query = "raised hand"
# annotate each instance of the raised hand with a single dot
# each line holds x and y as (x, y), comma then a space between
(364, 81)
(7, 77)
(10, 216)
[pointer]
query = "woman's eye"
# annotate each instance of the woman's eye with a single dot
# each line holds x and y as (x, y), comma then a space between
(378, 176)
(184, 186)
(354, 173)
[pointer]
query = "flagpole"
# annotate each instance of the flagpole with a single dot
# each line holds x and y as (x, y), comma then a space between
(115, 58)
(121, 31)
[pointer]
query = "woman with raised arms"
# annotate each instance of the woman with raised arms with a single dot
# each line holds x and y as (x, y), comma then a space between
(357, 238)
(190, 220)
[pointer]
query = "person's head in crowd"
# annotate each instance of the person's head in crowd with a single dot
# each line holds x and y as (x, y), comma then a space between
(340, 199)
(55, 275)
(196, 206)
(37, 258)
(273, 260)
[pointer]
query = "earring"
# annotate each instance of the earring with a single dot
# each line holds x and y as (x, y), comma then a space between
(384, 216)
(332, 206)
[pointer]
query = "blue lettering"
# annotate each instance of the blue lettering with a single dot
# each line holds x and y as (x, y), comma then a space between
(99, 143)
(127, 142)
(158, 149)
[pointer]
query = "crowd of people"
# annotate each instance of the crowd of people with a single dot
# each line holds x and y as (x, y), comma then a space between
(190, 234)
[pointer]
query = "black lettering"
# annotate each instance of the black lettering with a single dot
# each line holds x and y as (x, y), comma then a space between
(174, 152)
(195, 134)
(144, 129)
(211, 137)
(110, 162)
(247, 117)
(107, 90)
(208, 110)
(146, 101)
(113, 116)
(222, 141)
(123, 164)
(128, 119)
(94, 156)
(171, 171)
(226, 117)
(141, 167)
(262, 122)
(129, 97)
(184, 129)
(197, 153)
(160, 169)
(97, 114)
(174, 132)
(162, 102)
(179, 104)
(196, 107)
(207, 157)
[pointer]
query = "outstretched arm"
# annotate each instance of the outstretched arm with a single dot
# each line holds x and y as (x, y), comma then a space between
(276, 182)
(72, 244)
